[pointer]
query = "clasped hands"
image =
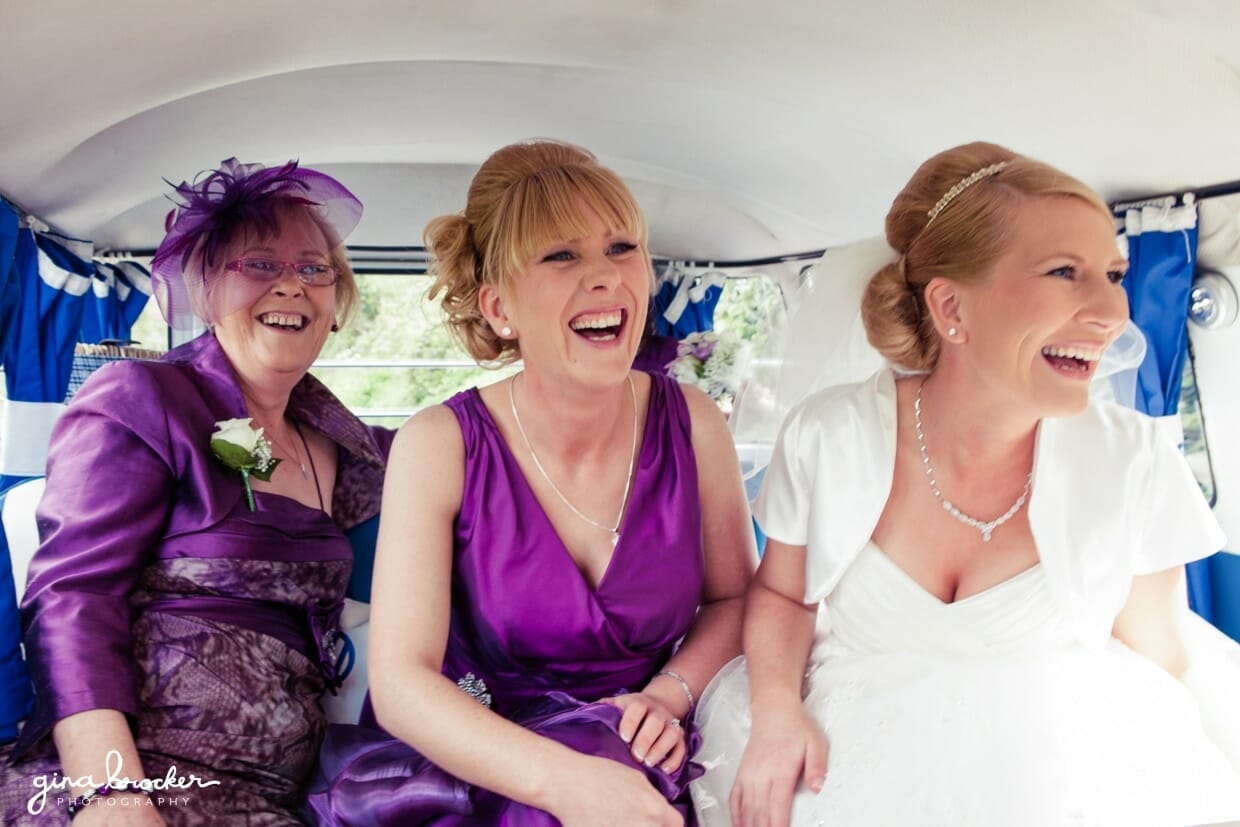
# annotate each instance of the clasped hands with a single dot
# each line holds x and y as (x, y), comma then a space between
(654, 734)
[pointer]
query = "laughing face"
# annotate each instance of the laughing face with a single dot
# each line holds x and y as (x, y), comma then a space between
(282, 324)
(1038, 324)
(579, 307)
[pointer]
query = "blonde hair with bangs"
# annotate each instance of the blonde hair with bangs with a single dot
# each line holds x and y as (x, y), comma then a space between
(961, 243)
(524, 198)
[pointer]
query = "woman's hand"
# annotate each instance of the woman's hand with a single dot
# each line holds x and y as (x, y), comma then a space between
(112, 811)
(785, 745)
(607, 794)
(98, 744)
(655, 735)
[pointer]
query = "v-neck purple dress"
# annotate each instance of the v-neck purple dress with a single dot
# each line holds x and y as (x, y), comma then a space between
(528, 627)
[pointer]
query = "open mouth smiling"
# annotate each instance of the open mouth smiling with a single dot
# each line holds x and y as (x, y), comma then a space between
(602, 326)
(283, 321)
(1072, 360)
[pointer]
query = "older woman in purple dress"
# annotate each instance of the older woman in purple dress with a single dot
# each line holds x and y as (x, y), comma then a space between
(180, 615)
(563, 553)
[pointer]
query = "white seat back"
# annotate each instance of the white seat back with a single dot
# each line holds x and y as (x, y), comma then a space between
(345, 707)
(20, 529)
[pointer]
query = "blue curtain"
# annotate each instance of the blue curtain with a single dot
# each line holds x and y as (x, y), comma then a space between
(1162, 252)
(10, 288)
(119, 292)
(1162, 248)
(685, 303)
(15, 691)
(54, 282)
(1224, 592)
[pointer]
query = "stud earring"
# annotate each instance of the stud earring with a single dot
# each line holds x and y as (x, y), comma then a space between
(335, 328)
(951, 331)
(505, 331)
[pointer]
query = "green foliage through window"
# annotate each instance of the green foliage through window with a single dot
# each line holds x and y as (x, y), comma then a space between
(395, 356)
(1195, 448)
(394, 323)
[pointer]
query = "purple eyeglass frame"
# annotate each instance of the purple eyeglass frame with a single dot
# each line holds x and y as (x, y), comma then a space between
(236, 264)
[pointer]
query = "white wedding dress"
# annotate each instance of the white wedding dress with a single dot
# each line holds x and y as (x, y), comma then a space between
(985, 711)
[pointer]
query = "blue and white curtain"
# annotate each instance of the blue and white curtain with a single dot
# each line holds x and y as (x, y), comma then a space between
(54, 284)
(10, 288)
(118, 293)
(684, 303)
(15, 690)
(1162, 253)
(51, 297)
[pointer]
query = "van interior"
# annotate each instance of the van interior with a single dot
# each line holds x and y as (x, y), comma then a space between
(765, 142)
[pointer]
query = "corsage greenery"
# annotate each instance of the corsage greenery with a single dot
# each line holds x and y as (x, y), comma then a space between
(244, 449)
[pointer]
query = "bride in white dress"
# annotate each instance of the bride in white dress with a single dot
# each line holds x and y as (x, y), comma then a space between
(971, 609)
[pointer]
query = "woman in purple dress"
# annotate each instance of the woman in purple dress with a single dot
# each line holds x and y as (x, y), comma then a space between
(563, 553)
(180, 617)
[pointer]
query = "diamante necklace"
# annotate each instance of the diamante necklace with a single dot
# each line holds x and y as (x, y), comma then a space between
(987, 528)
(614, 530)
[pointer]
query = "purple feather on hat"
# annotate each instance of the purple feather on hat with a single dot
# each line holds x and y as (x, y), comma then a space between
(219, 203)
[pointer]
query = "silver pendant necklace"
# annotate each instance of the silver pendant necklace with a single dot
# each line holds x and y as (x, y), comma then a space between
(613, 530)
(293, 455)
(987, 528)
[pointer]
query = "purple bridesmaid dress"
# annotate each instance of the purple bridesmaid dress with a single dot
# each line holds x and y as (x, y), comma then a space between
(530, 632)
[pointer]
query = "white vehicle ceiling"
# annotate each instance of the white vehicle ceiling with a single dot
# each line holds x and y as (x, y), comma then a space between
(747, 129)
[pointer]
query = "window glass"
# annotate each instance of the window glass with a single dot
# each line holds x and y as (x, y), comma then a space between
(395, 355)
(150, 331)
(1195, 448)
(750, 307)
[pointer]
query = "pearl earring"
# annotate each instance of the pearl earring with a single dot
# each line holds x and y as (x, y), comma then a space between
(951, 331)
(505, 331)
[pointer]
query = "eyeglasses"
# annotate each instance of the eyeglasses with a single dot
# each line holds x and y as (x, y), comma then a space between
(310, 273)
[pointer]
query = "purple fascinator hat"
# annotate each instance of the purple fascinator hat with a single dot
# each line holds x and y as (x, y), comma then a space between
(211, 211)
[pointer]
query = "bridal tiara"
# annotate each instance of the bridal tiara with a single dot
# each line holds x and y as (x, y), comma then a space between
(962, 185)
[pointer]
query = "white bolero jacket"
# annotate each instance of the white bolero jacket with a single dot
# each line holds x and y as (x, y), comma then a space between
(1111, 497)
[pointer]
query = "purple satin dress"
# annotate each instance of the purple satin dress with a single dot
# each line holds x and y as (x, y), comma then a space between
(527, 624)
(158, 593)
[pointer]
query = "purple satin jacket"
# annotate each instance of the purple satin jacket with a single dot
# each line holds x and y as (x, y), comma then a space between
(130, 480)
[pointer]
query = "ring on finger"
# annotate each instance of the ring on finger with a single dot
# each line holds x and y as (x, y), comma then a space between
(674, 722)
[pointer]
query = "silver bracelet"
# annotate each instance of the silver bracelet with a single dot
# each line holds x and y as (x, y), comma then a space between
(680, 679)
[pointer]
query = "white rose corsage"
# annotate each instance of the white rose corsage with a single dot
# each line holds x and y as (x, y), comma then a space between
(244, 449)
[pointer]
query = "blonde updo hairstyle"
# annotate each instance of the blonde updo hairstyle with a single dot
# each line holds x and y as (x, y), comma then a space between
(962, 243)
(525, 197)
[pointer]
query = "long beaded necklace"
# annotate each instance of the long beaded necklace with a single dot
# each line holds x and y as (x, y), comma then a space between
(987, 528)
(613, 530)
